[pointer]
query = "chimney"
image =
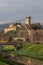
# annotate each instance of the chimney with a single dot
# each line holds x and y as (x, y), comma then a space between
(28, 20)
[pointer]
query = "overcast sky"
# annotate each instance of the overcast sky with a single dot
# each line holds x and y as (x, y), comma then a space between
(12, 10)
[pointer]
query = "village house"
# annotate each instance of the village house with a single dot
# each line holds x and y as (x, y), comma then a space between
(11, 27)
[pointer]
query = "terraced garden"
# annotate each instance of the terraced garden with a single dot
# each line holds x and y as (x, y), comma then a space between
(5, 61)
(34, 51)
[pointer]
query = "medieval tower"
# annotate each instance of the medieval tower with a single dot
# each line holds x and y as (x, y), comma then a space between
(28, 20)
(28, 27)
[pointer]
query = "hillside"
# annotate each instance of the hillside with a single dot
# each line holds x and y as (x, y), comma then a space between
(32, 50)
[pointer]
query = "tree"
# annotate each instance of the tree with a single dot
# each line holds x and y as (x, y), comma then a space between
(10, 38)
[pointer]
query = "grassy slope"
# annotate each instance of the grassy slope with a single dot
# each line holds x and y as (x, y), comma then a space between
(5, 61)
(32, 50)
(9, 47)
(2, 63)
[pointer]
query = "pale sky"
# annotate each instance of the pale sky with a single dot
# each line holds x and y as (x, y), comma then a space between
(12, 10)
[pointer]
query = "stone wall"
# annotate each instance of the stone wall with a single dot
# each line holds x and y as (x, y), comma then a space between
(37, 35)
(30, 33)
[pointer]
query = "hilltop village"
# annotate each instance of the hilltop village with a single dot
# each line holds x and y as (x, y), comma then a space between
(27, 32)
(22, 43)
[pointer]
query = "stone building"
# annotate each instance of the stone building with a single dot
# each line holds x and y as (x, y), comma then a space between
(11, 27)
(28, 20)
(31, 31)
(35, 32)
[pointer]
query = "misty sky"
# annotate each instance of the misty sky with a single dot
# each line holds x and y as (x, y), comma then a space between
(12, 10)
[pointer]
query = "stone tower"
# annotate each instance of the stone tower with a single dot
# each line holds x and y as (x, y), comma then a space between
(28, 20)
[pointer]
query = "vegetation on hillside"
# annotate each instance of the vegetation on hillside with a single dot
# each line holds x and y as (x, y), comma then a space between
(32, 50)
